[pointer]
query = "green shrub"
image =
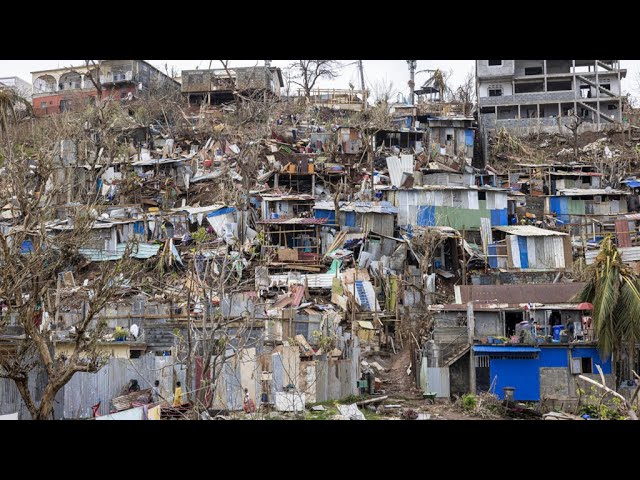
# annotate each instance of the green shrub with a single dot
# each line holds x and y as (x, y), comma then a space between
(469, 402)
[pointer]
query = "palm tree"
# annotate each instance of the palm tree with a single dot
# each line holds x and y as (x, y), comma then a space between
(9, 101)
(614, 290)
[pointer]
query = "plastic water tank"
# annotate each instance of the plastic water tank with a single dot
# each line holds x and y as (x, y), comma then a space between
(556, 332)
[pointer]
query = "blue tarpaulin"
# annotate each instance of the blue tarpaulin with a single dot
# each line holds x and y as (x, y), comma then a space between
(468, 138)
(632, 183)
(26, 247)
(524, 254)
(222, 211)
(426, 216)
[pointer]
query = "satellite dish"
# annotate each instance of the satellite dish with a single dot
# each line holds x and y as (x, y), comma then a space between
(134, 330)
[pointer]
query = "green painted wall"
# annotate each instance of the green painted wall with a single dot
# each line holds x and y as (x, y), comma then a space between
(576, 207)
(461, 217)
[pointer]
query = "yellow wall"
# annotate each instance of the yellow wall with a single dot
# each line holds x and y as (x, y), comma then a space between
(115, 349)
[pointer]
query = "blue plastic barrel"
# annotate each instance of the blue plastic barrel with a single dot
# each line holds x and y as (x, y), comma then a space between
(556, 332)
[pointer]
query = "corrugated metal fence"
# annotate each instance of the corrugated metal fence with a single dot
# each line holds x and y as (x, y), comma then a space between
(87, 389)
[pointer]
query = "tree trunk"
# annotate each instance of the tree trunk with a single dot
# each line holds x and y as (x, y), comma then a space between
(631, 356)
(23, 389)
(45, 411)
(189, 375)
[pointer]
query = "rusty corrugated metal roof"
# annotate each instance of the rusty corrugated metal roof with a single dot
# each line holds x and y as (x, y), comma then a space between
(549, 293)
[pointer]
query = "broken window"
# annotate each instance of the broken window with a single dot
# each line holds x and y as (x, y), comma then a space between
(495, 92)
(43, 104)
(533, 71)
(487, 110)
(612, 106)
(606, 85)
(494, 63)
(482, 195)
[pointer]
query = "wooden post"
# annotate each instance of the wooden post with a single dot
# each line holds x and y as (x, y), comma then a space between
(464, 259)
(470, 334)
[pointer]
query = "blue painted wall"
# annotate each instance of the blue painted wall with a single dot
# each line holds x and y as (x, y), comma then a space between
(554, 357)
(499, 217)
(426, 216)
(493, 250)
(605, 364)
(560, 205)
(349, 219)
(524, 374)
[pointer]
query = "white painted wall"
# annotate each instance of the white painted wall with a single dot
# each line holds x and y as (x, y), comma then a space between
(507, 88)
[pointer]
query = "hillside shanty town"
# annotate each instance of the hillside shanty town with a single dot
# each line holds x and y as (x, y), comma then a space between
(261, 242)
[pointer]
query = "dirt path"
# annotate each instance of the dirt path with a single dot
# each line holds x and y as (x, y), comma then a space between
(401, 388)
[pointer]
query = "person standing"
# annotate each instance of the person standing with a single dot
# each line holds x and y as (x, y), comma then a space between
(155, 392)
(177, 397)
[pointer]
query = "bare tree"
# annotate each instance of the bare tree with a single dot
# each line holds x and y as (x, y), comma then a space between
(466, 93)
(384, 91)
(573, 126)
(306, 73)
(32, 259)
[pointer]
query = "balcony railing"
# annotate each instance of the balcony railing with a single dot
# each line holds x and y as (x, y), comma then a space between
(115, 77)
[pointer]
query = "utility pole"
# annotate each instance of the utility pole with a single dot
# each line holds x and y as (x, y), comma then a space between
(364, 98)
(412, 72)
(471, 326)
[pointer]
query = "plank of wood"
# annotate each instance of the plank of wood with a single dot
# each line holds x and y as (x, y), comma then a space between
(372, 400)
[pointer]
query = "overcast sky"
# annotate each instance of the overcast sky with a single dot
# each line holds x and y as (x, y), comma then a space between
(375, 71)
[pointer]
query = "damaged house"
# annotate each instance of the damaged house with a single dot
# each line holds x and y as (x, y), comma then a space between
(541, 94)
(529, 248)
(217, 86)
(531, 339)
(70, 88)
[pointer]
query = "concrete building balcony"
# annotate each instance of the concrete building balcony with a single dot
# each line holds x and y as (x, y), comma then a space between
(534, 98)
(569, 75)
(521, 126)
(117, 77)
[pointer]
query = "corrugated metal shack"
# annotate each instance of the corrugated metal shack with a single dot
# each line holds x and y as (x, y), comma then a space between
(378, 217)
(525, 247)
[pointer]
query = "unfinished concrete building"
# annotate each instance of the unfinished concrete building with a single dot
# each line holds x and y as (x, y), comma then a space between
(220, 85)
(541, 95)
